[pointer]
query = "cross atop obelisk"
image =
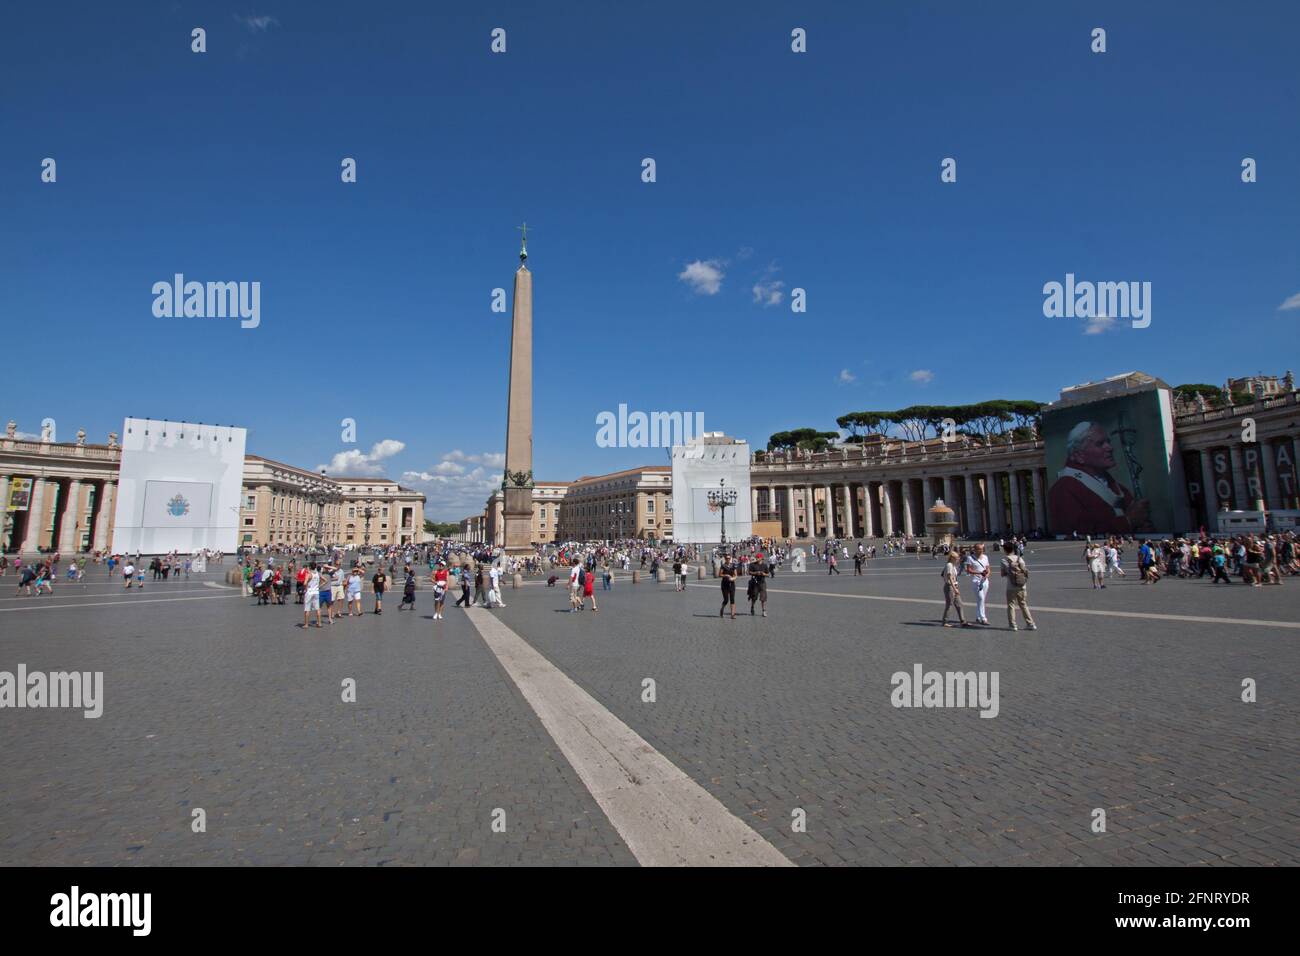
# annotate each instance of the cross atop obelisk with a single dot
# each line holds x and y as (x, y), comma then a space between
(517, 484)
(523, 243)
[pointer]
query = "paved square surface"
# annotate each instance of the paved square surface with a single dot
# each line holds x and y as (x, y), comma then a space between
(1126, 699)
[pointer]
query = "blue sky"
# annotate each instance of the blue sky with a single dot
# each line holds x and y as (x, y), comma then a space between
(816, 170)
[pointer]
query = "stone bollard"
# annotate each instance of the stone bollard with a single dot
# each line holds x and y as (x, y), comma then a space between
(234, 576)
(661, 575)
(699, 572)
(517, 581)
(636, 575)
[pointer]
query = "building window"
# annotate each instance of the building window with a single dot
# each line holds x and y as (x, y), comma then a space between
(248, 522)
(250, 502)
(649, 506)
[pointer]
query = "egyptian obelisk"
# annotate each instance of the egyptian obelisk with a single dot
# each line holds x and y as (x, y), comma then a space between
(517, 483)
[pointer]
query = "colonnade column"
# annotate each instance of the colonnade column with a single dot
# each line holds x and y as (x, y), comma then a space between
(973, 513)
(790, 523)
(69, 534)
(35, 517)
(950, 499)
(907, 507)
(1238, 479)
(1209, 493)
(1272, 491)
(868, 519)
(886, 510)
(848, 511)
(830, 511)
(1040, 505)
(1017, 516)
(993, 502)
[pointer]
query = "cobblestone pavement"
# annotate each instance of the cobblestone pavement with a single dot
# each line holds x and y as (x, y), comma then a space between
(216, 704)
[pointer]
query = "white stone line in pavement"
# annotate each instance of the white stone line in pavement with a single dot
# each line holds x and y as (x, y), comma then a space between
(36, 606)
(119, 592)
(664, 817)
(1035, 608)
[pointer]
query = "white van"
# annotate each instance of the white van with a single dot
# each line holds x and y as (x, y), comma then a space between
(1241, 522)
(1284, 519)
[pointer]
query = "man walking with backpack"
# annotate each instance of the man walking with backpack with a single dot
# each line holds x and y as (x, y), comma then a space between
(1017, 575)
(575, 586)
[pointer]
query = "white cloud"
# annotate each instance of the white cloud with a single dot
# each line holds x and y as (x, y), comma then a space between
(257, 24)
(922, 375)
(451, 497)
(704, 277)
(491, 459)
(453, 488)
(1099, 324)
(768, 292)
(1291, 303)
(847, 377)
(356, 463)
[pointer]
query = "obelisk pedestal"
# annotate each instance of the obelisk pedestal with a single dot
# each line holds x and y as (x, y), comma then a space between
(518, 482)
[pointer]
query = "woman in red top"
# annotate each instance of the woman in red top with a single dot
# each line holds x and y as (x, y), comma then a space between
(588, 586)
(439, 590)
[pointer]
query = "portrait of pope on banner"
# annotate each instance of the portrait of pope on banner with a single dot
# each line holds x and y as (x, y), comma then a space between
(1085, 496)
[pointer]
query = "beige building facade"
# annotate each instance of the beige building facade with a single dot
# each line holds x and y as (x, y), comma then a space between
(547, 503)
(635, 503)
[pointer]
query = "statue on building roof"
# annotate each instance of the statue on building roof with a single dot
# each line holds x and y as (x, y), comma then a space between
(47, 431)
(1201, 403)
(11, 430)
(1289, 381)
(112, 439)
(81, 436)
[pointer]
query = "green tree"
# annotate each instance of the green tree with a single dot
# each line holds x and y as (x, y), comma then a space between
(912, 421)
(858, 424)
(1026, 412)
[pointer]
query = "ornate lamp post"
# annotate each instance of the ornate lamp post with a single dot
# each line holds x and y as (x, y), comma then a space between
(319, 492)
(368, 512)
(720, 501)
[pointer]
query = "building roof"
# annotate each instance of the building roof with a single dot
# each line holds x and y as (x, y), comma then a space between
(281, 464)
(656, 469)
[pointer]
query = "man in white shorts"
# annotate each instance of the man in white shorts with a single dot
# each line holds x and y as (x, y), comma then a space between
(311, 599)
(575, 586)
